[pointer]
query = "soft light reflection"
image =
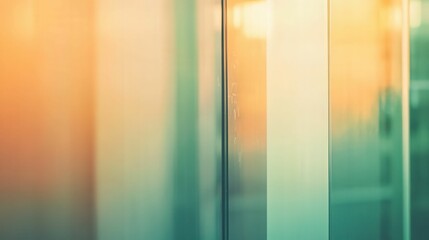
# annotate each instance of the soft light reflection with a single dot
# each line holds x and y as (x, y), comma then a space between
(23, 19)
(394, 16)
(251, 17)
(415, 13)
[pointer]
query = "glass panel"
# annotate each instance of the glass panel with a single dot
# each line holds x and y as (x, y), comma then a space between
(297, 120)
(159, 119)
(246, 39)
(366, 196)
(419, 118)
(110, 119)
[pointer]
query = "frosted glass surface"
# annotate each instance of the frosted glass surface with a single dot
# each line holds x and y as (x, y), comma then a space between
(365, 68)
(110, 119)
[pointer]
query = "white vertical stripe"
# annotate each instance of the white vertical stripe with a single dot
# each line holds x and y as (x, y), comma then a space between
(297, 120)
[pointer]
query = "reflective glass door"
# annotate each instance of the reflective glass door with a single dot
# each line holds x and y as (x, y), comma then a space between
(214, 120)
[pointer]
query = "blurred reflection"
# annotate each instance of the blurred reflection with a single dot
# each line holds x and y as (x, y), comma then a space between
(46, 115)
(246, 58)
(366, 132)
(419, 118)
(158, 118)
(110, 119)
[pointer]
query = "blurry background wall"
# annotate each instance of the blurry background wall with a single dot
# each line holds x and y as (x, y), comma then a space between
(110, 119)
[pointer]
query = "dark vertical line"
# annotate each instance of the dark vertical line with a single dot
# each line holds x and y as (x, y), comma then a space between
(225, 187)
